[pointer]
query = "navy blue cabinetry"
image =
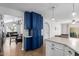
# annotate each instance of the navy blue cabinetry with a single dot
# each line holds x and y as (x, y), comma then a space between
(34, 39)
(27, 43)
(27, 20)
(33, 22)
(41, 20)
(37, 21)
(41, 42)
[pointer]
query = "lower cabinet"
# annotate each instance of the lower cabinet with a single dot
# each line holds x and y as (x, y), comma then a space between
(69, 51)
(56, 49)
(27, 43)
(52, 49)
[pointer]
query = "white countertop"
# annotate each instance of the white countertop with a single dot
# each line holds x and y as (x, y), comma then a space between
(28, 36)
(70, 42)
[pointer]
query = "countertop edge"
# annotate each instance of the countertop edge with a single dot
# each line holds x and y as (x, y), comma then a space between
(63, 44)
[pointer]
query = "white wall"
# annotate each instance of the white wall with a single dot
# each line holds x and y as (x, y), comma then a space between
(46, 29)
(54, 28)
(64, 28)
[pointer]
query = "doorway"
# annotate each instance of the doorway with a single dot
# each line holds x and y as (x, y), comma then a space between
(13, 34)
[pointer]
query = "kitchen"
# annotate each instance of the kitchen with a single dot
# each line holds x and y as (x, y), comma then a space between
(47, 29)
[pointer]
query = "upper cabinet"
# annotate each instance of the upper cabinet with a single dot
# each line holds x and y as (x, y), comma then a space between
(40, 22)
(34, 23)
(27, 20)
(34, 20)
(37, 21)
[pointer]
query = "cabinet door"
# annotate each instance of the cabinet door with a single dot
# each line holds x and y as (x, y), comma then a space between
(37, 20)
(40, 22)
(27, 20)
(49, 51)
(69, 51)
(56, 45)
(41, 43)
(53, 51)
(34, 20)
(35, 39)
(59, 52)
(27, 43)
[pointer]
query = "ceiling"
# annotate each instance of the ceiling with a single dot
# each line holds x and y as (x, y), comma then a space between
(63, 11)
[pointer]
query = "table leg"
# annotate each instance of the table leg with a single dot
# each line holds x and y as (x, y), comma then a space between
(10, 40)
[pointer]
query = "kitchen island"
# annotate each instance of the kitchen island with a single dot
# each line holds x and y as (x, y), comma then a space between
(57, 46)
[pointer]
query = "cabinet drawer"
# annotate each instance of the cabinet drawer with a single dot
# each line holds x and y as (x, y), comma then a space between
(69, 51)
(52, 51)
(55, 45)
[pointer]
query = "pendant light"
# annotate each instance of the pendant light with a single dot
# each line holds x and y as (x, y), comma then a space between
(73, 21)
(53, 16)
(74, 14)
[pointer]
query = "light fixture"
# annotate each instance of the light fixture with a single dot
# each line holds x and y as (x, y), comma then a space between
(73, 11)
(74, 14)
(53, 16)
(73, 21)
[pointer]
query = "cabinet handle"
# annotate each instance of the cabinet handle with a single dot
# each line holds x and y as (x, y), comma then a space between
(52, 48)
(70, 52)
(53, 45)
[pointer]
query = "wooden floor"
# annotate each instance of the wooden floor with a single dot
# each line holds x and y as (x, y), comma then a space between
(15, 50)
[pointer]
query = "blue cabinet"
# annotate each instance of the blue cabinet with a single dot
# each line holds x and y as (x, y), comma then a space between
(40, 22)
(34, 20)
(37, 21)
(34, 23)
(36, 41)
(27, 43)
(27, 20)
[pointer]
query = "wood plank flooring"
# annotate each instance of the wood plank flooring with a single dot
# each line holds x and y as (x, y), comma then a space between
(15, 50)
